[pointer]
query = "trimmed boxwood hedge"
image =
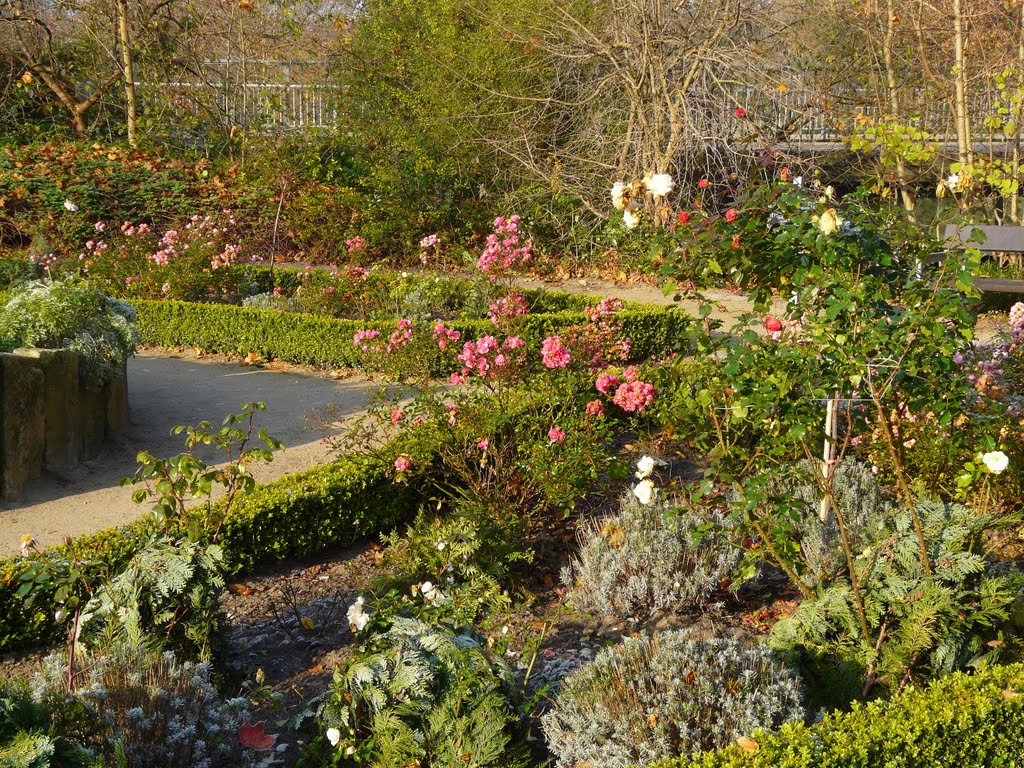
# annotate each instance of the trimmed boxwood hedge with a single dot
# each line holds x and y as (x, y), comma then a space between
(968, 720)
(327, 342)
(327, 506)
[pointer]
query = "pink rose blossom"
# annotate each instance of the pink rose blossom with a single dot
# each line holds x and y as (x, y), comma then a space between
(554, 353)
(634, 396)
(403, 464)
(484, 444)
(606, 382)
(556, 435)
(595, 408)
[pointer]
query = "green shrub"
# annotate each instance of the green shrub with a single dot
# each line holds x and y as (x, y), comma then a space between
(327, 342)
(667, 695)
(302, 514)
(975, 721)
(921, 622)
(425, 695)
(644, 560)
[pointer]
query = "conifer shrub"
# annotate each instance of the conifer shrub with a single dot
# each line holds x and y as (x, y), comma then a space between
(653, 697)
(647, 559)
(926, 620)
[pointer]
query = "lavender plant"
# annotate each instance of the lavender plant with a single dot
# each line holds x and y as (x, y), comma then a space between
(647, 559)
(667, 695)
(134, 708)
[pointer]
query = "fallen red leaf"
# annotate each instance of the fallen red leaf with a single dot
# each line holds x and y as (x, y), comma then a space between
(253, 737)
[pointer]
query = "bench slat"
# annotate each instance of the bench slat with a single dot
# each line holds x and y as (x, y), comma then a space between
(997, 238)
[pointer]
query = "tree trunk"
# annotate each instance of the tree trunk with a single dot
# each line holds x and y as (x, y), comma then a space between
(131, 105)
(965, 147)
(906, 193)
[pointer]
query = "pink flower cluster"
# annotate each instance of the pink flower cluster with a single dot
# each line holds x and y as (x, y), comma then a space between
(363, 338)
(607, 382)
(504, 309)
(556, 434)
(354, 244)
(504, 248)
(629, 393)
(634, 396)
(554, 353)
(402, 336)
(607, 307)
(486, 357)
(443, 334)
(353, 273)
(403, 464)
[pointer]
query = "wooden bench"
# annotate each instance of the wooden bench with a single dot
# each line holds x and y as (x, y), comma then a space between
(996, 240)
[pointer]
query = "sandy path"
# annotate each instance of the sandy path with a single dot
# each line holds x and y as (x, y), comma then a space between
(165, 391)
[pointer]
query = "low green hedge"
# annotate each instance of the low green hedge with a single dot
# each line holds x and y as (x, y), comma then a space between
(961, 720)
(327, 342)
(302, 514)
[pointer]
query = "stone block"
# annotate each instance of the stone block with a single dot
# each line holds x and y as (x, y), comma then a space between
(62, 401)
(22, 423)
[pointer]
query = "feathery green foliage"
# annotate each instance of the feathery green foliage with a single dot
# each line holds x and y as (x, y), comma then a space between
(426, 695)
(921, 624)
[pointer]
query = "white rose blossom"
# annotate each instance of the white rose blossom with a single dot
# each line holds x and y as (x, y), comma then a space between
(618, 196)
(70, 205)
(646, 465)
(996, 461)
(333, 736)
(357, 617)
(630, 219)
(829, 222)
(645, 491)
(659, 184)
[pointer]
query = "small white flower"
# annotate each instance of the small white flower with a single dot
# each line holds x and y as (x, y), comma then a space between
(645, 466)
(431, 592)
(618, 196)
(630, 219)
(357, 617)
(659, 185)
(70, 205)
(952, 180)
(333, 736)
(440, 546)
(996, 461)
(350, 751)
(645, 491)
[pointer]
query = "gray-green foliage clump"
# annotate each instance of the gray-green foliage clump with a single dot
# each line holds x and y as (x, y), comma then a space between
(666, 695)
(647, 559)
(70, 314)
(425, 695)
(921, 623)
(797, 496)
(135, 708)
